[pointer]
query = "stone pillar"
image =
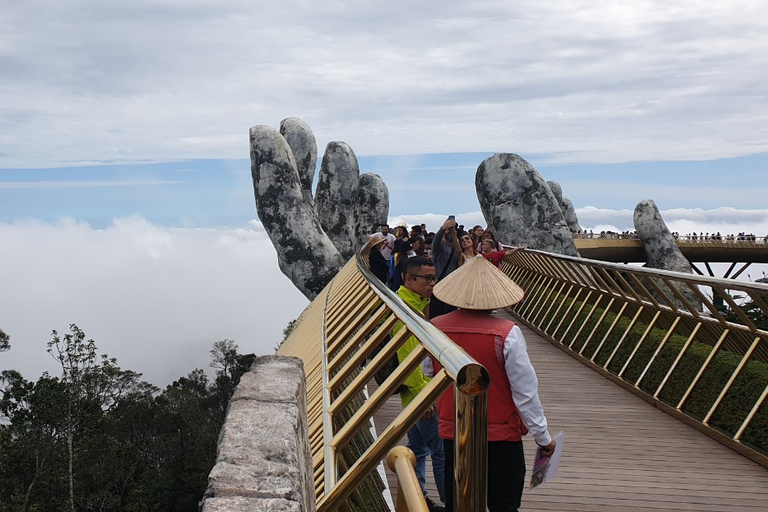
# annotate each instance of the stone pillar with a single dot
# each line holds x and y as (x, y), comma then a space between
(264, 461)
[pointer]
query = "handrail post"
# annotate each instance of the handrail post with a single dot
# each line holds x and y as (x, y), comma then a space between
(402, 462)
(471, 443)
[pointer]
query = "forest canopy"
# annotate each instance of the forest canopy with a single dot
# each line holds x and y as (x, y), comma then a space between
(97, 437)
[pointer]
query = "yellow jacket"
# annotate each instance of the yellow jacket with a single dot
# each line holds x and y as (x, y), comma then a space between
(416, 381)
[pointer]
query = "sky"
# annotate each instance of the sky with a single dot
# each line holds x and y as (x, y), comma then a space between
(126, 202)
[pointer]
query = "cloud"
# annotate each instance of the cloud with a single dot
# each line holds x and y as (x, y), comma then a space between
(155, 298)
(26, 185)
(89, 81)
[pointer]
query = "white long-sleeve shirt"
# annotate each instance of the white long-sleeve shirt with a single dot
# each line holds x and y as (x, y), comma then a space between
(524, 385)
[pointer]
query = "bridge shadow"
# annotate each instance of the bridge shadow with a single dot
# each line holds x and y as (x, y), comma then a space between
(620, 452)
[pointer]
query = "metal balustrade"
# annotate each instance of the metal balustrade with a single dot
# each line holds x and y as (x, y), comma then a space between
(659, 334)
(337, 336)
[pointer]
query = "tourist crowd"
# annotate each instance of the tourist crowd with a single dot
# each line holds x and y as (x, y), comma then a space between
(690, 237)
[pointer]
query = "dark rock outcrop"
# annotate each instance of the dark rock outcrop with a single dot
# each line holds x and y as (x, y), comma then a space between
(305, 253)
(520, 207)
(335, 195)
(566, 206)
(313, 237)
(304, 147)
(660, 247)
(371, 206)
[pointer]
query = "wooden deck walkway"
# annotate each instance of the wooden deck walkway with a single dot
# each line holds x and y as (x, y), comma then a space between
(620, 453)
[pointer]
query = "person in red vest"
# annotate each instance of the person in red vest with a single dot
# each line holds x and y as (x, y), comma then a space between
(514, 408)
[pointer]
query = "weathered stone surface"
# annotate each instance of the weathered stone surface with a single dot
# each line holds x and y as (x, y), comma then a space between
(660, 247)
(239, 504)
(305, 254)
(659, 243)
(520, 207)
(303, 145)
(566, 206)
(371, 206)
(335, 196)
(313, 237)
(263, 460)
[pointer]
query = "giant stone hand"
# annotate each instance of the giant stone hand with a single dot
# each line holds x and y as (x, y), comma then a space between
(313, 238)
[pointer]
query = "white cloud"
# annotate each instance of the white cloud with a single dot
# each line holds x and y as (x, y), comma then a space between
(158, 298)
(155, 298)
(89, 81)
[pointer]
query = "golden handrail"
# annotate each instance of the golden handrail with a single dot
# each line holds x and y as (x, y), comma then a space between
(335, 336)
(659, 334)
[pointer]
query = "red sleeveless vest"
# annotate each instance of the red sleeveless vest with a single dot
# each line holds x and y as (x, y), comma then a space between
(482, 337)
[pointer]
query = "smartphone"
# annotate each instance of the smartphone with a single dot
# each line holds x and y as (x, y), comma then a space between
(452, 217)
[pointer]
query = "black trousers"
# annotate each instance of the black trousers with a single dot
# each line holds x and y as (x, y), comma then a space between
(506, 475)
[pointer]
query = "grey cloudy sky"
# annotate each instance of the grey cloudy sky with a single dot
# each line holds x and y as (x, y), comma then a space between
(97, 81)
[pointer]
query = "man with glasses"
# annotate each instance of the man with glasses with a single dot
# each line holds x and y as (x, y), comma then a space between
(418, 280)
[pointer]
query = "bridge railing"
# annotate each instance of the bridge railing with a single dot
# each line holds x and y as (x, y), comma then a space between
(661, 335)
(337, 337)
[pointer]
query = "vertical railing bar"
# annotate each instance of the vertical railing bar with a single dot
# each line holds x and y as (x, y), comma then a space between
(597, 324)
(728, 385)
(329, 455)
(647, 294)
(471, 451)
(615, 288)
(629, 288)
(639, 343)
(759, 301)
(567, 311)
(583, 303)
(610, 330)
(736, 309)
(677, 359)
(704, 300)
(552, 303)
(629, 328)
(340, 340)
(679, 296)
(530, 302)
(563, 299)
(664, 340)
(669, 302)
(586, 320)
(709, 358)
(583, 271)
(544, 302)
(601, 284)
(596, 279)
(751, 414)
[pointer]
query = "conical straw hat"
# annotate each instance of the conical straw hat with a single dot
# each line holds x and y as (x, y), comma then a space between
(479, 285)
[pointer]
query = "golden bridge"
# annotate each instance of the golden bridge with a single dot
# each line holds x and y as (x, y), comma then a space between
(660, 390)
(627, 250)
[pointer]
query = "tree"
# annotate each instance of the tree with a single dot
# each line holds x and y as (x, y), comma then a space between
(5, 341)
(92, 388)
(231, 366)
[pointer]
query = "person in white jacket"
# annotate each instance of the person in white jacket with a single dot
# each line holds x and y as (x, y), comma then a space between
(514, 408)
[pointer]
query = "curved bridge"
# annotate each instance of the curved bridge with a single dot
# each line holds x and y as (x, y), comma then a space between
(624, 250)
(615, 347)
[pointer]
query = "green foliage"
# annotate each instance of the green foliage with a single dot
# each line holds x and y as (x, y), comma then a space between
(5, 341)
(96, 437)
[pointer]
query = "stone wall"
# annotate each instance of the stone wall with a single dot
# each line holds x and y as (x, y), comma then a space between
(263, 460)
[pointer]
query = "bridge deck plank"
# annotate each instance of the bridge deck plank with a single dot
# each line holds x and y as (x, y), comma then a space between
(620, 452)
